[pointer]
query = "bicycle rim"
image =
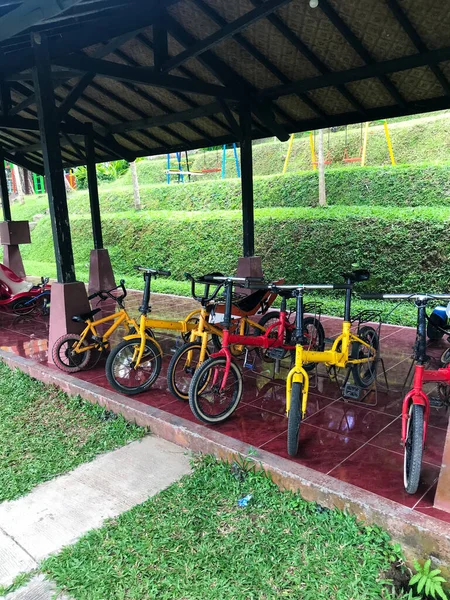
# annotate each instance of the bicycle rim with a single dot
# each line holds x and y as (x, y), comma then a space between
(213, 398)
(127, 377)
(181, 369)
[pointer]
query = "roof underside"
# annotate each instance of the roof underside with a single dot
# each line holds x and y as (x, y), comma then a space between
(157, 76)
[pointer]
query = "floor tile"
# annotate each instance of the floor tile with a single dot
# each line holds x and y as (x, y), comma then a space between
(319, 449)
(350, 420)
(381, 472)
(390, 439)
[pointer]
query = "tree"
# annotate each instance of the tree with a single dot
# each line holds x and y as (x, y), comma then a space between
(321, 167)
(136, 193)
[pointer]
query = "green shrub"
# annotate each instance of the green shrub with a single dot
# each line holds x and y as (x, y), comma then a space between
(405, 249)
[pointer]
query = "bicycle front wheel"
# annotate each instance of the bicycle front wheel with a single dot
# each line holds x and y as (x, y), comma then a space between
(294, 419)
(412, 463)
(213, 397)
(182, 367)
(121, 370)
(365, 373)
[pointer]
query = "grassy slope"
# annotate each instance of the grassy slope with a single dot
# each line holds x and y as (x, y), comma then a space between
(193, 541)
(44, 432)
(414, 142)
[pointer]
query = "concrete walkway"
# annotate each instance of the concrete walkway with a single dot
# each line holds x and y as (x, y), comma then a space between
(57, 513)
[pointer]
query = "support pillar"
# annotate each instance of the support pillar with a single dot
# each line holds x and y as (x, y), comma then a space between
(442, 497)
(12, 233)
(68, 297)
(101, 275)
(248, 220)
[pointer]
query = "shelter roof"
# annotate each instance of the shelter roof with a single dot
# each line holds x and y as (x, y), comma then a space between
(155, 76)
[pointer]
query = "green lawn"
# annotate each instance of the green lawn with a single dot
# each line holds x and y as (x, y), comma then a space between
(193, 542)
(44, 432)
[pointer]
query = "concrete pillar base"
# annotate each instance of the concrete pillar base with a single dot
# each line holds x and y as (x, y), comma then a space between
(101, 276)
(248, 266)
(67, 300)
(442, 498)
(13, 259)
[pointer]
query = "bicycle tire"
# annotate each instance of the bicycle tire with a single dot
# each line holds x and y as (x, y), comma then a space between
(18, 306)
(187, 336)
(206, 375)
(319, 345)
(413, 452)
(370, 336)
(75, 362)
(174, 382)
(122, 352)
(294, 419)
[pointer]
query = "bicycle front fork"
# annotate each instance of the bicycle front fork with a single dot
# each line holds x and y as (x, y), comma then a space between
(416, 396)
(297, 375)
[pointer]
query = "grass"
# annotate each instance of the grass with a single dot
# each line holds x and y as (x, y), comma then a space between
(192, 541)
(44, 432)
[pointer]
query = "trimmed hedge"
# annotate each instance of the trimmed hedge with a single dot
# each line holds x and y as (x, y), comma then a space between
(406, 250)
(372, 186)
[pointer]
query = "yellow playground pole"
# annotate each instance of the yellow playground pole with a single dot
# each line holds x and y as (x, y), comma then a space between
(388, 139)
(288, 155)
(364, 149)
(313, 152)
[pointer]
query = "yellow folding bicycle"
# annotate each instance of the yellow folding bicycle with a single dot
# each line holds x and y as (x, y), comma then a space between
(359, 353)
(188, 358)
(73, 352)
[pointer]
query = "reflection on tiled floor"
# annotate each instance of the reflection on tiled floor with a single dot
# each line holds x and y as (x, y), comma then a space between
(356, 442)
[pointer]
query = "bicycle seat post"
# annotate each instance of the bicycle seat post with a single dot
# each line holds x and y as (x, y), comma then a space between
(145, 306)
(348, 301)
(228, 304)
(421, 341)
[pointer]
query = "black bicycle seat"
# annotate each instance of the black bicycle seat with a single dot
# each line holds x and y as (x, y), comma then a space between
(85, 316)
(356, 276)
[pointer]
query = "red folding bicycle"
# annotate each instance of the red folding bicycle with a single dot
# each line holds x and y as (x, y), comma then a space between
(416, 403)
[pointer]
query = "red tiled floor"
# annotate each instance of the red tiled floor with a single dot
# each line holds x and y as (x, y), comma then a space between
(357, 442)
(319, 449)
(381, 472)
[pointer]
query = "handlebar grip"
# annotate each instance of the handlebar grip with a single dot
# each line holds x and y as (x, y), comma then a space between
(371, 296)
(92, 296)
(122, 282)
(162, 272)
(342, 286)
(189, 276)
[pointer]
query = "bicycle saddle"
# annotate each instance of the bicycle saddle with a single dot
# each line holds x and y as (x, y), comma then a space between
(356, 276)
(85, 316)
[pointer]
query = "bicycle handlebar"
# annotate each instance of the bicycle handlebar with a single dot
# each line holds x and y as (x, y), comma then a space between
(105, 294)
(152, 271)
(205, 281)
(313, 286)
(405, 296)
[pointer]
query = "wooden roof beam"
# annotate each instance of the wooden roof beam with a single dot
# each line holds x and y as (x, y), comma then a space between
(359, 48)
(227, 31)
(309, 55)
(335, 78)
(143, 75)
(408, 27)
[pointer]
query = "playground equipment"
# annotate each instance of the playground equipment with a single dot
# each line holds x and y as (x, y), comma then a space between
(71, 179)
(38, 184)
(182, 173)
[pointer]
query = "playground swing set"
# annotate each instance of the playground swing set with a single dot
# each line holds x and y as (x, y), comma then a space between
(183, 169)
(346, 159)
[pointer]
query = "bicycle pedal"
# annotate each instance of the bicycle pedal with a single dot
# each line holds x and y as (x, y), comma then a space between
(276, 353)
(351, 391)
(436, 402)
(247, 363)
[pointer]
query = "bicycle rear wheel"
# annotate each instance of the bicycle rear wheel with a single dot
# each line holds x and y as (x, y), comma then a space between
(365, 373)
(315, 338)
(182, 367)
(65, 357)
(294, 419)
(120, 368)
(213, 398)
(413, 449)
